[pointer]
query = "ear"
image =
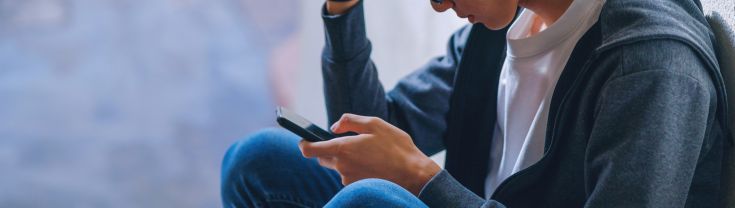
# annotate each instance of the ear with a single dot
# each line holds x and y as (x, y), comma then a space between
(441, 5)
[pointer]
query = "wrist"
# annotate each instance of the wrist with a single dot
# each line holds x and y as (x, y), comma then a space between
(422, 171)
(340, 7)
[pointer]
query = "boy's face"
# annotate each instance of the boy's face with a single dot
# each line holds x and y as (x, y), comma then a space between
(494, 14)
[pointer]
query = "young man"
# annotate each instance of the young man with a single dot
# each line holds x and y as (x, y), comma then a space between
(595, 103)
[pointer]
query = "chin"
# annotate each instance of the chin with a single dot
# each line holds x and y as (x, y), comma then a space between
(498, 23)
(493, 27)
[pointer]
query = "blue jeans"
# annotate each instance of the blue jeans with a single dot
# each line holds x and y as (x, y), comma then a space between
(267, 169)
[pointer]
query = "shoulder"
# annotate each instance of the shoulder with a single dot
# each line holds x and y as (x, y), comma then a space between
(656, 57)
(669, 36)
(625, 20)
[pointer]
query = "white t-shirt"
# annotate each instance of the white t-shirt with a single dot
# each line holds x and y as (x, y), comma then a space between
(530, 72)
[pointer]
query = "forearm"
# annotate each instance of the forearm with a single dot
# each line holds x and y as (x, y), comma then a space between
(351, 82)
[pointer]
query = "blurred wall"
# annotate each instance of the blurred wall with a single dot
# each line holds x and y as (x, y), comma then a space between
(109, 103)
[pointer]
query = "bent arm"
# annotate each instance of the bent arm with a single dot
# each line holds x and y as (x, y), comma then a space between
(417, 104)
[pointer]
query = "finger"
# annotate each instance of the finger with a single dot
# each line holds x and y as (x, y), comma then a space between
(443, 6)
(346, 180)
(301, 145)
(328, 148)
(328, 162)
(356, 123)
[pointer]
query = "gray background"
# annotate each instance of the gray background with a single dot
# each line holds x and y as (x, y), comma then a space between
(111, 103)
(132, 103)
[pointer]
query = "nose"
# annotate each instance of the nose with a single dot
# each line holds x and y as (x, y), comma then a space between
(441, 5)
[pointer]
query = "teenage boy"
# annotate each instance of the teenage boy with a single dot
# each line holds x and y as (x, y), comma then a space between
(594, 103)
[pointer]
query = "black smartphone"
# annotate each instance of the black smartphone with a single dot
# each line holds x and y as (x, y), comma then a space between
(302, 127)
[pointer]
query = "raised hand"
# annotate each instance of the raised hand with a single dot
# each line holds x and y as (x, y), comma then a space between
(335, 7)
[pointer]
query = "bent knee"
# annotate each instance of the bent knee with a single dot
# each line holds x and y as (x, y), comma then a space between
(372, 186)
(377, 191)
(260, 150)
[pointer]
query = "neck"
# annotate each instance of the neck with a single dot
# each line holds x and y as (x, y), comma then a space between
(548, 10)
(537, 26)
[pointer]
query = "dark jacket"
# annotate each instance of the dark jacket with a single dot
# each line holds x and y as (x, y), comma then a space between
(637, 118)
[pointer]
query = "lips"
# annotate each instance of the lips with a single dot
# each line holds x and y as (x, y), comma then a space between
(461, 14)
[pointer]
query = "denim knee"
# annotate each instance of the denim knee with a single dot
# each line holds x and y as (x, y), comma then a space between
(259, 150)
(266, 169)
(371, 188)
(374, 193)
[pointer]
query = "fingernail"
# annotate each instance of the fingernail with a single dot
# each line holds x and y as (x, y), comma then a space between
(334, 126)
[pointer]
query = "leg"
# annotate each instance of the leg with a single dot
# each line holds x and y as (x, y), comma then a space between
(267, 170)
(375, 193)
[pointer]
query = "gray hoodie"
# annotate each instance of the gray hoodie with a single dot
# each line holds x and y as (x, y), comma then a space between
(637, 119)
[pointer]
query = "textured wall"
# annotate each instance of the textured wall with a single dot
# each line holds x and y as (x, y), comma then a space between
(109, 103)
(114, 103)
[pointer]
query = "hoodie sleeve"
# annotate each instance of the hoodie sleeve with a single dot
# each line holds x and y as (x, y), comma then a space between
(445, 191)
(650, 128)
